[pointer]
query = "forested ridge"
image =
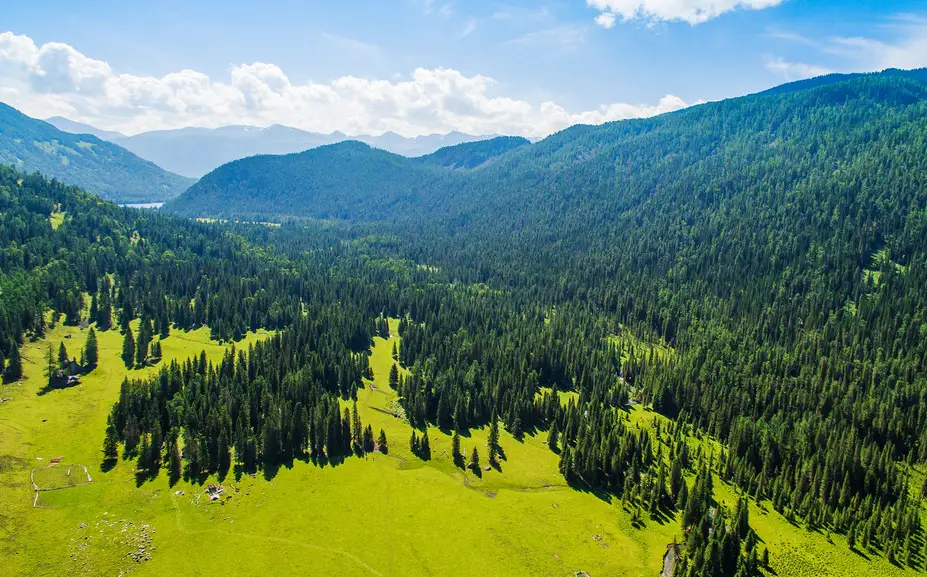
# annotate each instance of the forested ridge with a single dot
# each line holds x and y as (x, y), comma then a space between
(774, 243)
(84, 160)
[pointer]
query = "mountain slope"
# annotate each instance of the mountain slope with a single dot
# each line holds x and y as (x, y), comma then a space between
(193, 152)
(474, 154)
(84, 160)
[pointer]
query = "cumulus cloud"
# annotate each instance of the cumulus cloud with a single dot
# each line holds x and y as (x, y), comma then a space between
(691, 11)
(55, 79)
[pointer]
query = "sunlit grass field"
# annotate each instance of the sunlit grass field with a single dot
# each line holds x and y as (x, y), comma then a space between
(376, 515)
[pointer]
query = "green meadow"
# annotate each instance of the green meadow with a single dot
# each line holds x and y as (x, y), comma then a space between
(376, 515)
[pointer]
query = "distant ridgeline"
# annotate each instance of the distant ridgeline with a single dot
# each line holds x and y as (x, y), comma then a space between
(777, 242)
(773, 246)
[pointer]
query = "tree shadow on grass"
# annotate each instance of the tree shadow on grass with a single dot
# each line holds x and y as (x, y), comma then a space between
(583, 487)
(662, 516)
(861, 553)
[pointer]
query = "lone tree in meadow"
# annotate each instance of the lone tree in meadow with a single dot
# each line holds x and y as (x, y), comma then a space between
(91, 352)
(458, 457)
(62, 354)
(475, 460)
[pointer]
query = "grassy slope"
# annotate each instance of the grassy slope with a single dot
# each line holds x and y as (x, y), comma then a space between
(381, 515)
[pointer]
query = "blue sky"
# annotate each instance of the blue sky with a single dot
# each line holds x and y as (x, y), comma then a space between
(550, 63)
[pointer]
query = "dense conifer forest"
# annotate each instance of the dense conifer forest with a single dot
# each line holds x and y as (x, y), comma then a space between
(753, 269)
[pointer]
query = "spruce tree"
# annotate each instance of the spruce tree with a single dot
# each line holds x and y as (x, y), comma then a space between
(14, 364)
(394, 376)
(455, 449)
(553, 436)
(50, 367)
(475, 459)
(174, 462)
(110, 442)
(128, 348)
(426, 447)
(493, 441)
(384, 448)
(91, 352)
(62, 354)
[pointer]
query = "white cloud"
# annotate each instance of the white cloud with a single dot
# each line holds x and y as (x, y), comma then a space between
(796, 70)
(905, 47)
(55, 79)
(606, 19)
(909, 51)
(691, 11)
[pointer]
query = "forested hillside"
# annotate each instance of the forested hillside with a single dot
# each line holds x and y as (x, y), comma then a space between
(775, 242)
(84, 160)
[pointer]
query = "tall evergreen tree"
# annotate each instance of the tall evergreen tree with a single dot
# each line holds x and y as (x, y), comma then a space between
(14, 364)
(128, 348)
(91, 351)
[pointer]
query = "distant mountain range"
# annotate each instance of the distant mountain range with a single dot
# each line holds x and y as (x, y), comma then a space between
(88, 161)
(194, 152)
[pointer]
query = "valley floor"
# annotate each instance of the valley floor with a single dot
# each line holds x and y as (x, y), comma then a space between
(377, 515)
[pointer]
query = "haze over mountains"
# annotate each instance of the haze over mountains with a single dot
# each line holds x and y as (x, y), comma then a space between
(193, 152)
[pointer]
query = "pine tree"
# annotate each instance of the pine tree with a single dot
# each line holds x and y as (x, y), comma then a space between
(493, 441)
(425, 447)
(157, 441)
(110, 442)
(174, 462)
(91, 352)
(2, 364)
(62, 354)
(566, 463)
(455, 449)
(475, 459)
(128, 348)
(384, 448)
(50, 367)
(14, 364)
(143, 341)
(553, 436)
(395, 351)
(356, 430)
(742, 517)
(368, 439)
(394, 377)
(144, 455)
